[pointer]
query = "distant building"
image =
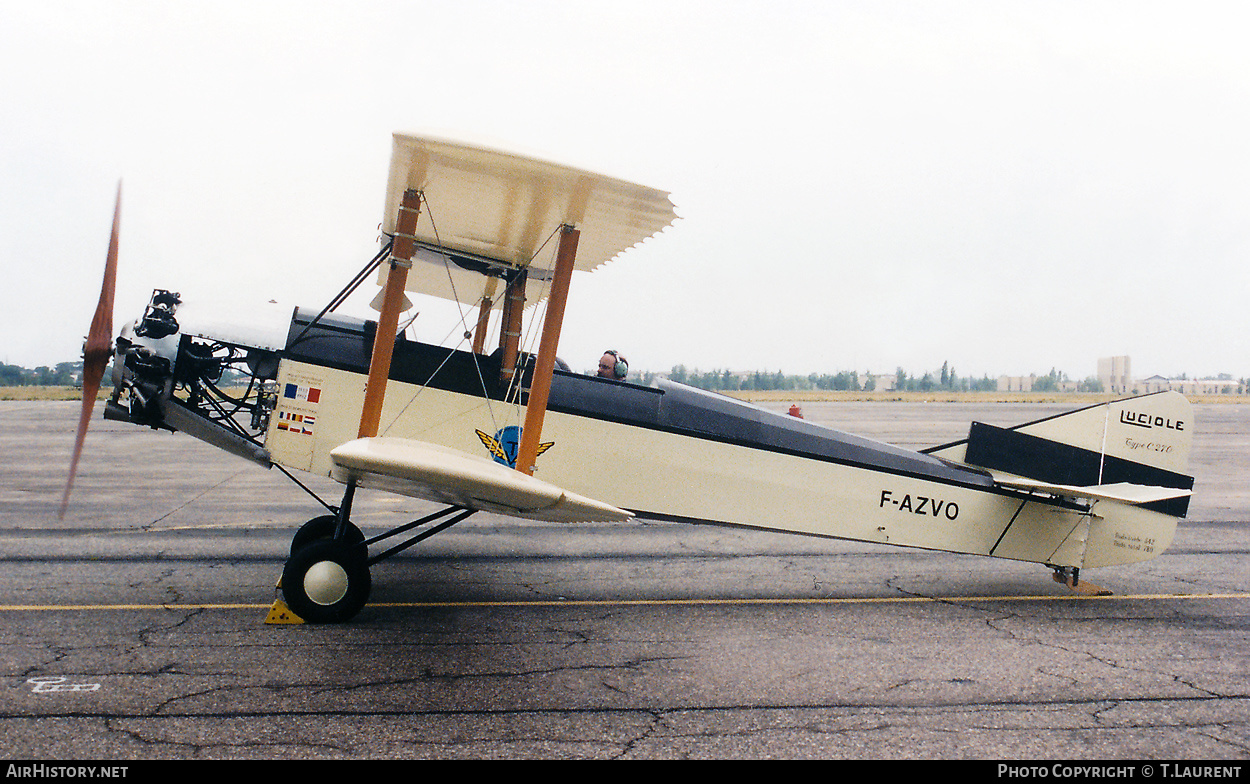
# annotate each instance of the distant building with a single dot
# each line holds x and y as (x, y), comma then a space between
(1016, 383)
(1192, 386)
(1116, 375)
(884, 382)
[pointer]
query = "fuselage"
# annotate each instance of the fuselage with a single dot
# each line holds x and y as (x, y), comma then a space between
(677, 453)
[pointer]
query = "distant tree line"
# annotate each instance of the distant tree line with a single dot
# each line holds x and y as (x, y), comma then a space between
(64, 374)
(69, 374)
(945, 379)
(725, 380)
(1054, 381)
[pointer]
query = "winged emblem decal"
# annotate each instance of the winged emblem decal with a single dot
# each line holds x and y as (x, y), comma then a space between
(503, 445)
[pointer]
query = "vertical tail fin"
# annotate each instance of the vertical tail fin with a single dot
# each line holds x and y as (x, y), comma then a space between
(1141, 441)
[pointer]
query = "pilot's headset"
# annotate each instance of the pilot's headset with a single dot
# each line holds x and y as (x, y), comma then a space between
(621, 368)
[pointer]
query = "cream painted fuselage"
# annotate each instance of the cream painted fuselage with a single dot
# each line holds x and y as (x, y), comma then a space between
(676, 453)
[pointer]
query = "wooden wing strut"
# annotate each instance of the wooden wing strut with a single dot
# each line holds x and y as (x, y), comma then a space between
(544, 364)
(388, 320)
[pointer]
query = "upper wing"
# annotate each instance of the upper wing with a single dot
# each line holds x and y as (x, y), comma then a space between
(437, 473)
(489, 211)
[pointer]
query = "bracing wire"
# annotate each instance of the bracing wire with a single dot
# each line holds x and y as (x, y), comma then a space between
(464, 329)
(531, 332)
(348, 290)
(528, 337)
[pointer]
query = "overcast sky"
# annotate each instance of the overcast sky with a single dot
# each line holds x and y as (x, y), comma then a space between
(1007, 186)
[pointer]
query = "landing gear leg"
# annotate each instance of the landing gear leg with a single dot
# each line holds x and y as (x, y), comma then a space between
(337, 526)
(324, 527)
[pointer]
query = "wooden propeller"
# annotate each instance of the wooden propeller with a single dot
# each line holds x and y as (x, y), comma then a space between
(97, 350)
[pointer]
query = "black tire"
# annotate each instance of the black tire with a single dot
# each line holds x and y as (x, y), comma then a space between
(323, 528)
(326, 582)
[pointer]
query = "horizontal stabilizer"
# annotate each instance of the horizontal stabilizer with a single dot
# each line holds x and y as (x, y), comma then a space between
(1123, 492)
(438, 473)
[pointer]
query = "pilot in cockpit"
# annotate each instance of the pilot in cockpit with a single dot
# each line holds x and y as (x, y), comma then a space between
(614, 366)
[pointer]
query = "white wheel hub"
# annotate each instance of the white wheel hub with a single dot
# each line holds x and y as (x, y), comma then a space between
(325, 583)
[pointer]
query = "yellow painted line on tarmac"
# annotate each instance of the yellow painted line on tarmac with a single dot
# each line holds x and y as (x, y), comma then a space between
(82, 607)
(647, 602)
(813, 600)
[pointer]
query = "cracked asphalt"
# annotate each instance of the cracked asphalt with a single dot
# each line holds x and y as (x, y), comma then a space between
(133, 628)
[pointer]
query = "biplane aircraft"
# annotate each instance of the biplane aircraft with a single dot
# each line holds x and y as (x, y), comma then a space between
(493, 425)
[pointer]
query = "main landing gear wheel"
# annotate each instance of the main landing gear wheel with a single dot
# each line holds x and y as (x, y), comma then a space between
(326, 581)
